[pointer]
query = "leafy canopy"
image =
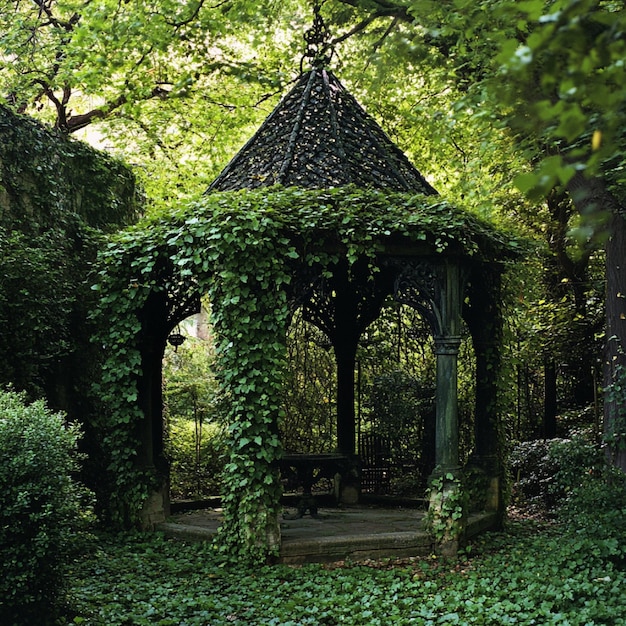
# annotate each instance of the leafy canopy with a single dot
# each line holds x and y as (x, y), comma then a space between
(160, 82)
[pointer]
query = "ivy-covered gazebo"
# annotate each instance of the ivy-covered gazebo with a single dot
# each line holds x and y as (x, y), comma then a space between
(319, 211)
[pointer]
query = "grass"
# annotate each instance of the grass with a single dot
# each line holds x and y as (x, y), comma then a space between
(535, 573)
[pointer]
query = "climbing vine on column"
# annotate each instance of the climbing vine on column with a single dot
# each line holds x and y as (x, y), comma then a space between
(250, 317)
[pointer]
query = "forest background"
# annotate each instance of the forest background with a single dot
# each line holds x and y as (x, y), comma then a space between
(513, 110)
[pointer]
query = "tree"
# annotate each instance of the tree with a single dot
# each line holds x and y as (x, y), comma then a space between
(88, 61)
(551, 72)
(155, 81)
(572, 66)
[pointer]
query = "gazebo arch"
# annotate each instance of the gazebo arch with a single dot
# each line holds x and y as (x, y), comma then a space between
(332, 184)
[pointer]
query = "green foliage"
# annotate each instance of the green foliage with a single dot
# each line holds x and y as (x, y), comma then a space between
(547, 473)
(308, 425)
(41, 508)
(398, 403)
(403, 411)
(616, 393)
(148, 67)
(52, 183)
(117, 395)
(568, 78)
(54, 194)
(56, 198)
(36, 309)
(193, 420)
(196, 454)
(201, 249)
(158, 81)
(250, 315)
(600, 491)
(532, 574)
(72, 53)
(445, 519)
(476, 485)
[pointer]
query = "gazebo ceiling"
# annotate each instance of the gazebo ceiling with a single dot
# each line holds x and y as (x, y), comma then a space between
(320, 137)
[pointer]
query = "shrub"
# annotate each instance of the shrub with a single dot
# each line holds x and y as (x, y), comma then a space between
(40, 508)
(548, 472)
(196, 452)
(601, 491)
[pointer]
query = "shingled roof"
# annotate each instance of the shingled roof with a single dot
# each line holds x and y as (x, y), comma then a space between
(319, 137)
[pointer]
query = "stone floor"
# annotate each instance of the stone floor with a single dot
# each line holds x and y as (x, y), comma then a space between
(355, 532)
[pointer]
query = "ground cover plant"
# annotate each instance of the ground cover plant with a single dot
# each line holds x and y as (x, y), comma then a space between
(535, 573)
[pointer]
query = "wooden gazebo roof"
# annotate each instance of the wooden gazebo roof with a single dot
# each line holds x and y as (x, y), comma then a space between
(320, 137)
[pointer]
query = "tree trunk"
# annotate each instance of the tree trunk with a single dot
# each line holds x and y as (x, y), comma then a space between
(577, 346)
(615, 354)
(592, 197)
(550, 399)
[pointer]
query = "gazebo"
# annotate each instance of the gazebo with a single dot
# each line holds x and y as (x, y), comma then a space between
(317, 140)
(319, 137)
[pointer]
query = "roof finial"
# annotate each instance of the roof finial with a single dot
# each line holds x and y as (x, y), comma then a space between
(318, 46)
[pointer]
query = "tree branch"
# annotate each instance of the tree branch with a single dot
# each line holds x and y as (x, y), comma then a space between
(358, 28)
(386, 34)
(45, 9)
(59, 106)
(76, 122)
(382, 8)
(188, 20)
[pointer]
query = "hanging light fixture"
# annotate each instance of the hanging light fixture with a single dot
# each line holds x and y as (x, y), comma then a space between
(176, 338)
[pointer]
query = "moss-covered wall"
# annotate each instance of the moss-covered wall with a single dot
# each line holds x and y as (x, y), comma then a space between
(48, 181)
(57, 197)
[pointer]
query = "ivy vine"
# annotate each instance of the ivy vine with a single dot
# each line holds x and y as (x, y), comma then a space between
(615, 394)
(445, 519)
(57, 198)
(241, 248)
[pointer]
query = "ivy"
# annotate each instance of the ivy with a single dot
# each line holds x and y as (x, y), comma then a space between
(242, 248)
(53, 183)
(57, 196)
(615, 432)
(445, 519)
(570, 573)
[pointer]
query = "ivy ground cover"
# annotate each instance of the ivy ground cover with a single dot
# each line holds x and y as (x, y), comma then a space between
(533, 574)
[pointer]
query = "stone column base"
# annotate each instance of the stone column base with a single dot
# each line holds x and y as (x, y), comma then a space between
(156, 508)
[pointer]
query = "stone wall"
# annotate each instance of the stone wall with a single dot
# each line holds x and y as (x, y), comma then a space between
(57, 197)
(46, 178)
